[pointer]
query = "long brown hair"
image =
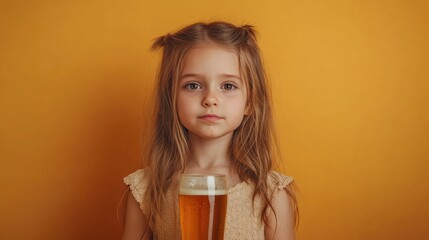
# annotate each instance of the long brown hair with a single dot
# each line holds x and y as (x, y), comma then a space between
(253, 141)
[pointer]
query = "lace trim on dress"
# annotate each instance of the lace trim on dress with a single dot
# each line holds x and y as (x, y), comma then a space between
(138, 186)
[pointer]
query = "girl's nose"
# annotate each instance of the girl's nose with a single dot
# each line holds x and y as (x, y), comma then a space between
(210, 100)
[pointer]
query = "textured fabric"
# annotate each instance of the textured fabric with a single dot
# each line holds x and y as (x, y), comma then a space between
(242, 220)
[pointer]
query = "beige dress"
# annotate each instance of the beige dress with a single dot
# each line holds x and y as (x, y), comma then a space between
(242, 221)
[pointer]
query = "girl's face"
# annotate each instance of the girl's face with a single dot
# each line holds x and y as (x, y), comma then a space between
(211, 95)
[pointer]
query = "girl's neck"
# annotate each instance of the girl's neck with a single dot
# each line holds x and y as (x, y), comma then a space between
(212, 156)
(209, 153)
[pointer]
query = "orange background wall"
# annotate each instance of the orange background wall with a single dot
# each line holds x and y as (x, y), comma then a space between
(350, 82)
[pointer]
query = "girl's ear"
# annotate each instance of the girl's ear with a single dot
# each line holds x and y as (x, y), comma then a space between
(247, 110)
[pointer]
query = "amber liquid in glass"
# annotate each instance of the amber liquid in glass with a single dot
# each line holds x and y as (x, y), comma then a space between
(203, 216)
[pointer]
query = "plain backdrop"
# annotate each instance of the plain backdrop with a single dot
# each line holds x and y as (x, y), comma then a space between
(350, 88)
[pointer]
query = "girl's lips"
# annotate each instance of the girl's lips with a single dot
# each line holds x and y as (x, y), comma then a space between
(210, 117)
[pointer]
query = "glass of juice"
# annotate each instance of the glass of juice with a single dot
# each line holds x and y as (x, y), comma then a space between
(202, 202)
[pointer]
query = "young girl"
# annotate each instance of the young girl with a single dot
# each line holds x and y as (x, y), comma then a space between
(213, 115)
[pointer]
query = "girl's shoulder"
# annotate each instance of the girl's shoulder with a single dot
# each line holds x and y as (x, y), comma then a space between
(277, 181)
(137, 182)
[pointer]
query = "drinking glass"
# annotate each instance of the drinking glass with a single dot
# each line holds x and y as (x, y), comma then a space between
(203, 202)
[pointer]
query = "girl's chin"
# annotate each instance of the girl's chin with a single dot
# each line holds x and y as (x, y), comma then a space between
(201, 136)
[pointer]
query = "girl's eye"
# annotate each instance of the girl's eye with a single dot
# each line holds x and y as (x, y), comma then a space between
(229, 86)
(192, 86)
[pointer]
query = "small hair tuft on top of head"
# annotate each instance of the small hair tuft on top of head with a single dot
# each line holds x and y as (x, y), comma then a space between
(250, 30)
(161, 42)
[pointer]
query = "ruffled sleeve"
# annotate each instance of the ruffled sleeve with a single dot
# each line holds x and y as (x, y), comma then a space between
(138, 184)
(277, 181)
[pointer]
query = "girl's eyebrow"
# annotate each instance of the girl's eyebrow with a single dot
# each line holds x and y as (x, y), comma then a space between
(191, 75)
(201, 76)
(230, 76)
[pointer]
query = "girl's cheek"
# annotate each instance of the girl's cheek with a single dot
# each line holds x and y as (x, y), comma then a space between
(235, 94)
